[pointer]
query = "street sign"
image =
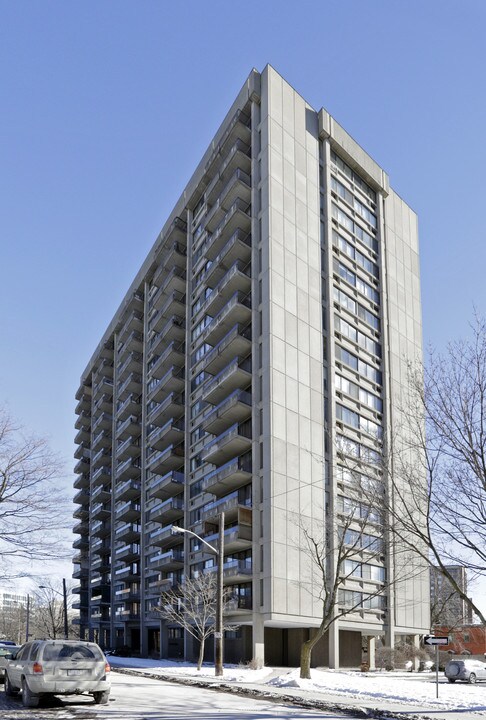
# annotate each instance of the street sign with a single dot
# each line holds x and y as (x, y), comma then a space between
(435, 640)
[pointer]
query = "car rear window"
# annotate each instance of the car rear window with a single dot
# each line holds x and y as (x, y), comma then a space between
(71, 652)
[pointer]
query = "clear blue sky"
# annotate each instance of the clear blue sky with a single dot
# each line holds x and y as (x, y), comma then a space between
(108, 106)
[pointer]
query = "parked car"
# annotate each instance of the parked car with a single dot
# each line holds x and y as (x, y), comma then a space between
(6, 651)
(467, 670)
(58, 667)
(8, 642)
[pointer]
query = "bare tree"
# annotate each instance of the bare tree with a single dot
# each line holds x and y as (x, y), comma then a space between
(442, 437)
(47, 614)
(351, 551)
(192, 606)
(33, 511)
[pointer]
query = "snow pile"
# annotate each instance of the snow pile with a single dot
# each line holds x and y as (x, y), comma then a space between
(231, 673)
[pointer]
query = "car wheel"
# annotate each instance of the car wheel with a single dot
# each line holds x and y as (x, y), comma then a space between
(29, 699)
(9, 690)
(472, 679)
(101, 697)
(451, 680)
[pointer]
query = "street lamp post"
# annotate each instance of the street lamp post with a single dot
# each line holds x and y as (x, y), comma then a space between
(218, 629)
(64, 600)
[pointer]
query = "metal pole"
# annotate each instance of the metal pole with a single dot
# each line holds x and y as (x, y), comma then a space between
(436, 671)
(64, 593)
(27, 620)
(218, 635)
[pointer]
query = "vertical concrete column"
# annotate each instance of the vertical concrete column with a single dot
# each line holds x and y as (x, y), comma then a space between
(416, 644)
(258, 639)
(390, 636)
(334, 646)
(371, 652)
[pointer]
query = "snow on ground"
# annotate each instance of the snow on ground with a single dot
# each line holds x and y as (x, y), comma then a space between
(373, 688)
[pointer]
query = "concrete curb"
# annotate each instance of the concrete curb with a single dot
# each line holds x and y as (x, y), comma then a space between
(364, 712)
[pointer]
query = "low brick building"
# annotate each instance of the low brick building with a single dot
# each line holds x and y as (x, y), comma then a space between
(467, 639)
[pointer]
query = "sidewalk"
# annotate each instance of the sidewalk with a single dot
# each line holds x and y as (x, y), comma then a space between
(274, 686)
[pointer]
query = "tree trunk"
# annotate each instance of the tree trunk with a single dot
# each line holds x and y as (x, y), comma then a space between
(306, 653)
(201, 653)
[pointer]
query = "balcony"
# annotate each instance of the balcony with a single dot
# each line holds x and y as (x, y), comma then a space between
(172, 381)
(236, 375)
(174, 354)
(101, 546)
(127, 595)
(166, 485)
(167, 510)
(81, 513)
(164, 537)
(161, 461)
(104, 403)
(238, 217)
(176, 255)
(83, 421)
(80, 572)
(101, 476)
(132, 362)
(172, 407)
(236, 508)
(235, 571)
(237, 278)
(102, 438)
(82, 543)
(129, 448)
(84, 404)
(101, 494)
(128, 552)
(173, 329)
(127, 572)
(133, 322)
(104, 386)
(102, 457)
(126, 616)
(175, 279)
(236, 440)
(82, 481)
(128, 532)
(83, 465)
(131, 384)
(82, 497)
(130, 426)
(174, 304)
(128, 511)
(234, 147)
(130, 406)
(172, 559)
(100, 511)
(236, 538)
(236, 343)
(171, 432)
(133, 343)
(238, 247)
(105, 421)
(236, 311)
(100, 563)
(177, 232)
(233, 409)
(82, 436)
(82, 450)
(128, 469)
(127, 490)
(100, 528)
(231, 476)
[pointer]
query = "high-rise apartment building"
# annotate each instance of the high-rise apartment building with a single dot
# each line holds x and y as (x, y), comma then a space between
(262, 344)
(447, 606)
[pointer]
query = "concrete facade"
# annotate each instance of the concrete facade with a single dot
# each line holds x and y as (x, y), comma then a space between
(257, 355)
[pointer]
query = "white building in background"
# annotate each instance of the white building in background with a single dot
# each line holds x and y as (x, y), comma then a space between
(264, 339)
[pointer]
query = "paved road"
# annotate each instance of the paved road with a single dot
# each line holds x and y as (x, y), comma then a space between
(140, 698)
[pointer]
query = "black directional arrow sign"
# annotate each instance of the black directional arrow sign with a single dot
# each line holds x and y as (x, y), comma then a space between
(435, 640)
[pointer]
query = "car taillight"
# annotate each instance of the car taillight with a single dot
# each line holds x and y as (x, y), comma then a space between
(37, 668)
(107, 667)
